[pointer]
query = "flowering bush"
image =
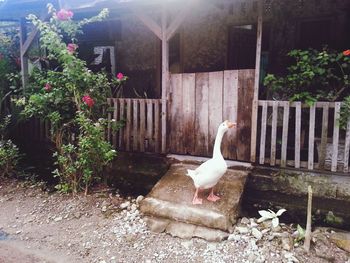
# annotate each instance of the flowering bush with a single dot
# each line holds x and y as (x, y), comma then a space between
(72, 99)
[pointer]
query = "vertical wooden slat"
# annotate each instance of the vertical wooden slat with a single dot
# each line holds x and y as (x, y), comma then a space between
(121, 118)
(214, 106)
(324, 135)
(244, 113)
(274, 133)
(202, 114)
(335, 137)
(157, 134)
(255, 106)
(176, 112)
(310, 163)
(135, 125)
(189, 107)
(297, 134)
(128, 124)
(109, 117)
(347, 148)
(149, 133)
(230, 104)
(285, 133)
(115, 116)
(263, 133)
(142, 125)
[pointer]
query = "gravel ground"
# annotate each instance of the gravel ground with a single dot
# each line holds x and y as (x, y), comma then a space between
(104, 227)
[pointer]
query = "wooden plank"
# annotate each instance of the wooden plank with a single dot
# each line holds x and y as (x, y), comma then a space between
(122, 118)
(216, 80)
(115, 116)
(157, 134)
(202, 114)
(165, 77)
(254, 124)
(135, 125)
(263, 133)
(285, 134)
(128, 124)
(230, 104)
(180, 18)
(244, 114)
(324, 136)
(149, 22)
(109, 117)
(311, 137)
(188, 109)
(347, 148)
(176, 113)
(142, 125)
(335, 137)
(297, 134)
(24, 58)
(274, 134)
(293, 104)
(149, 124)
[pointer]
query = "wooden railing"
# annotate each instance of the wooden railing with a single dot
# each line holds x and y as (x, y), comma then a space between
(142, 124)
(285, 126)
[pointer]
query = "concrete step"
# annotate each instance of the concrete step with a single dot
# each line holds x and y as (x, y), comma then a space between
(171, 199)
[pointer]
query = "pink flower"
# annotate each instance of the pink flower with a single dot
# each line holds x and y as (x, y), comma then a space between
(88, 101)
(64, 15)
(71, 48)
(120, 76)
(47, 87)
(346, 52)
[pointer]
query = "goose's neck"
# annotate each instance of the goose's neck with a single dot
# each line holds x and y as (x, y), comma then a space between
(217, 145)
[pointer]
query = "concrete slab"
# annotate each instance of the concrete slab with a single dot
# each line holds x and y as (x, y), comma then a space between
(171, 198)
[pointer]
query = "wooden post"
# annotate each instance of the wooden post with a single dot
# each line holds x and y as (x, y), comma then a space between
(256, 84)
(308, 221)
(24, 58)
(165, 76)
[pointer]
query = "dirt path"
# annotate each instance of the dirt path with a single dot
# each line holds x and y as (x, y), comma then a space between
(106, 228)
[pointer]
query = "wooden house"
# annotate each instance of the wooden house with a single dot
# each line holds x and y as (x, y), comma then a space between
(202, 61)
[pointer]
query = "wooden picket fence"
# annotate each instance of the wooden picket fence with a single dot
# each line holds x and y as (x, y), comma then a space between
(284, 126)
(142, 124)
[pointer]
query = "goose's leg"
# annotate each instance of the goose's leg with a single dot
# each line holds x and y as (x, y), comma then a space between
(212, 197)
(196, 200)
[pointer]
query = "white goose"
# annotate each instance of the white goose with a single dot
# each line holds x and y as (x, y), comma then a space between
(209, 173)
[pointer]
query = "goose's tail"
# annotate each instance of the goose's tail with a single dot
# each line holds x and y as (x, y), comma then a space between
(191, 173)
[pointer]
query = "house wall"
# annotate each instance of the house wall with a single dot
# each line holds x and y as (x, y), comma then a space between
(203, 41)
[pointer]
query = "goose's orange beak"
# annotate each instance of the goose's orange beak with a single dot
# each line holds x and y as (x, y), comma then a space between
(231, 124)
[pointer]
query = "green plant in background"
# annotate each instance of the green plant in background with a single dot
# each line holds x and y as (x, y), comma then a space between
(315, 75)
(9, 153)
(71, 97)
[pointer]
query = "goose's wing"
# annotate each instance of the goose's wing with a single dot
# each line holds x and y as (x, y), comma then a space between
(206, 167)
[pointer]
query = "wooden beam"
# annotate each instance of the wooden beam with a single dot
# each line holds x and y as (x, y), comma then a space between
(165, 77)
(28, 42)
(149, 22)
(179, 19)
(256, 84)
(24, 58)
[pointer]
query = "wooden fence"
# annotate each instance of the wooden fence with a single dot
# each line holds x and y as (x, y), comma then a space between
(297, 135)
(199, 102)
(142, 124)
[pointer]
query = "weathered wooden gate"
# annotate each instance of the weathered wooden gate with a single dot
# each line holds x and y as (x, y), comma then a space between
(199, 102)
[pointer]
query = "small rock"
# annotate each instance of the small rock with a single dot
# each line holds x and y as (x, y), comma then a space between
(187, 244)
(287, 243)
(77, 215)
(342, 240)
(245, 221)
(18, 232)
(125, 205)
(57, 219)
(251, 257)
(256, 233)
(290, 257)
(234, 237)
(139, 199)
(242, 230)
(104, 208)
(212, 246)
